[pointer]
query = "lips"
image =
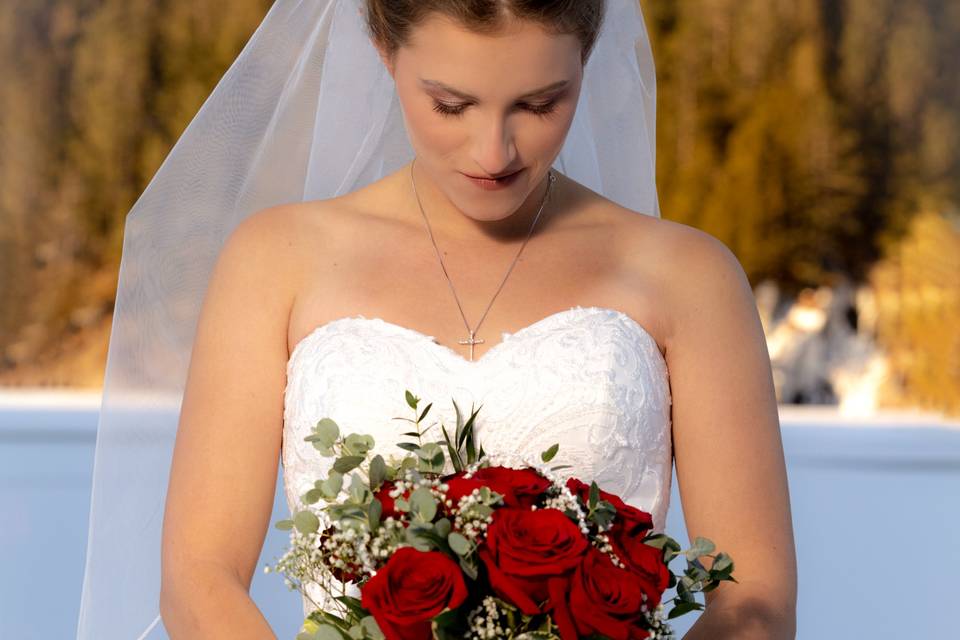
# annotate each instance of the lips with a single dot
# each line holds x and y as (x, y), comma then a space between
(496, 177)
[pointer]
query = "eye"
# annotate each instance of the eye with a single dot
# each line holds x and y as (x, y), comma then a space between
(445, 109)
(544, 109)
(448, 109)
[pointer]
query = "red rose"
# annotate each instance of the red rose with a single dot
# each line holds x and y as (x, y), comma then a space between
(459, 487)
(631, 520)
(520, 487)
(389, 504)
(524, 548)
(411, 588)
(599, 598)
(630, 526)
(643, 561)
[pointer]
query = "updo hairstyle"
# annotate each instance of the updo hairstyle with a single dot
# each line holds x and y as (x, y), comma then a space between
(390, 22)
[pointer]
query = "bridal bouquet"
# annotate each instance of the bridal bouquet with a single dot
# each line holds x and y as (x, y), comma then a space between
(492, 548)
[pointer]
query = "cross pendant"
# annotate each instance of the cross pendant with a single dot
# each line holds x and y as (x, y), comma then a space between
(471, 341)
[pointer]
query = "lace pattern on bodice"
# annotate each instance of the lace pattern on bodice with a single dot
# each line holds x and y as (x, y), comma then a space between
(589, 378)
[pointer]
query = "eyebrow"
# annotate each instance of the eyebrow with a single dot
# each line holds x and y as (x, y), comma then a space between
(436, 84)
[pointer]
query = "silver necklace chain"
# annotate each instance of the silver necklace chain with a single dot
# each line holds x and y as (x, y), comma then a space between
(473, 340)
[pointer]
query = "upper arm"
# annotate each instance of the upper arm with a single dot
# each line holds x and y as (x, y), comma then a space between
(731, 472)
(223, 476)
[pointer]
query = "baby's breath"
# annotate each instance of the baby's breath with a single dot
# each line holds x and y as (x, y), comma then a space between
(487, 621)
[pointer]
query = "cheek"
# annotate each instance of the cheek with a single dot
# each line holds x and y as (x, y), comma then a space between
(426, 129)
(538, 136)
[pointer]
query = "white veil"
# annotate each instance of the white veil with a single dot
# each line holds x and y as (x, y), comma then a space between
(307, 111)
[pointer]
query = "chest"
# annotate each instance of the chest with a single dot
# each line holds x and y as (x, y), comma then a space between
(467, 298)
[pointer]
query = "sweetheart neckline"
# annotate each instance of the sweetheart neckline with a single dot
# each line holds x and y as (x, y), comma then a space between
(505, 338)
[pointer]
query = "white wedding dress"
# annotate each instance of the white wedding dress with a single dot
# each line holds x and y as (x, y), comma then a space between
(589, 378)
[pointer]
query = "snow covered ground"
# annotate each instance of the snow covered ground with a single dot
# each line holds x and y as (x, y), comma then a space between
(859, 488)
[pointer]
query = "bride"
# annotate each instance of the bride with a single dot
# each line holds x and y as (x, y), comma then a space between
(475, 270)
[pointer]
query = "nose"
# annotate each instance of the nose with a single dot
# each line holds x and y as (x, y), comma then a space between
(494, 148)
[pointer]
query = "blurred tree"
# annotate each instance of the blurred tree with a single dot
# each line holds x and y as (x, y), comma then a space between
(917, 285)
(803, 132)
(95, 93)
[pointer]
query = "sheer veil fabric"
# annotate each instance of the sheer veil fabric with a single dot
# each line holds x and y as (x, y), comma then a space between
(306, 111)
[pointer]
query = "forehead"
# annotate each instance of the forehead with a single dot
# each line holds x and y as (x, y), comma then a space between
(521, 52)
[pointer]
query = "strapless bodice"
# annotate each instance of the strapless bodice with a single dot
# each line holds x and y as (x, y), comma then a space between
(589, 378)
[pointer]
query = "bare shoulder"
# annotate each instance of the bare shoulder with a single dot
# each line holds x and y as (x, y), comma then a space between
(688, 271)
(672, 242)
(286, 226)
(279, 241)
(707, 286)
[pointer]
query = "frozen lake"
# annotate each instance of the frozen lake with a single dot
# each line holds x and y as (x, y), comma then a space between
(857, 486)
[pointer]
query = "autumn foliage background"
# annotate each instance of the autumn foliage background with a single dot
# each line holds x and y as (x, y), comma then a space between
(816, 138)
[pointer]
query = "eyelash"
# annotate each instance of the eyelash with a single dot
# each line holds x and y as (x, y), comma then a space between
(444, 109)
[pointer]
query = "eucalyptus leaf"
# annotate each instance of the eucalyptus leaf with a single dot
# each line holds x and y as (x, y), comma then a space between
(424, 414)
(284, 525)
(442, 527)
(378, 471)
(306, 522)
(325, 451)
(459, 543)
(469, 568)
(422, 504)
(411, 399)
(358, 490)
(482, 510)
(701, 547)
(371, 628)
(447, 618)
(658, 540)
(417, 541)
(313, 496)
(327, 632)
(347, 463)
(358, 444)
(353, 604)
(682, 608)
(332, 485)
(328, 430)
(721, 563)
(374, 511)
(548, 455)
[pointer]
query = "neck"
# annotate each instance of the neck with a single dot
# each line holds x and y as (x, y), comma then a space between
(450, 222)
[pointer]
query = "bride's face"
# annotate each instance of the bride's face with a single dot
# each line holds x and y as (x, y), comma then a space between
(486, 105)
